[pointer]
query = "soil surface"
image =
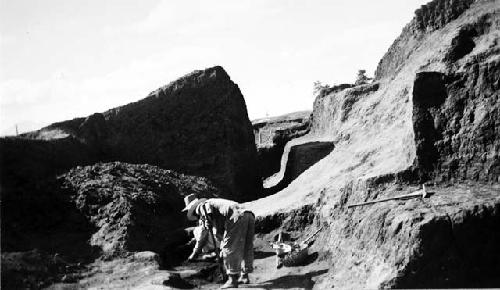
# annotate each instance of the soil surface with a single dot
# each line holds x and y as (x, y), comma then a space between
(141, 271)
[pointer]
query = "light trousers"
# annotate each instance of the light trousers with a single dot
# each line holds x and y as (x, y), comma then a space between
(237, 244)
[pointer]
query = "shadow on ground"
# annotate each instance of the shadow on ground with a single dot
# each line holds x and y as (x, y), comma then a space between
(290, 281)
(262, 255)
(309, 260)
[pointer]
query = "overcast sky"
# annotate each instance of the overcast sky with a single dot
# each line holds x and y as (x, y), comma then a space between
(61, 59)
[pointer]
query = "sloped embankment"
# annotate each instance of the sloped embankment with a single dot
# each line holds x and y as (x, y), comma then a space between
(445, 241)
(431, 115)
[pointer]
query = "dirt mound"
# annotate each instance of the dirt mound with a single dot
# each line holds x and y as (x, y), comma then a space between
(104, 210)
(133, 207)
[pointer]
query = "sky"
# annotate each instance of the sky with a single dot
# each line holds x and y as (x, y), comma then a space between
(62, 59)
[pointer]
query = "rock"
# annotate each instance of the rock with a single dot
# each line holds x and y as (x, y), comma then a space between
(271, 136)
(196, 125)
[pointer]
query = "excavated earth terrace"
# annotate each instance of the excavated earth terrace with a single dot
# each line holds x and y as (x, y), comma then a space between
(431, 117)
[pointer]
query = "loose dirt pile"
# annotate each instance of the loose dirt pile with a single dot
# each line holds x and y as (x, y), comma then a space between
(108, 210)
(133, 207)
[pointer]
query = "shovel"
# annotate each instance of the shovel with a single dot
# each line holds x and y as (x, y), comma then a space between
(419, 193)
(290, 254)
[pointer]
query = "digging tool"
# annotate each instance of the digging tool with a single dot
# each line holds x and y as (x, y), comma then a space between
(290, 254)
(217, 256)
(306, 241)
(423, 193)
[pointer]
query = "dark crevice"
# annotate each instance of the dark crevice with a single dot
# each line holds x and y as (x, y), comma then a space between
(429, 93)
(269, 158)
(461, 45)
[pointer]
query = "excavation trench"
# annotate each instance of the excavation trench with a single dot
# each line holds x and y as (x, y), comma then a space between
(299, 159)
(297, 224)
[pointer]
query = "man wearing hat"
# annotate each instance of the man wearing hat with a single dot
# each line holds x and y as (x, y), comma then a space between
(234, 227)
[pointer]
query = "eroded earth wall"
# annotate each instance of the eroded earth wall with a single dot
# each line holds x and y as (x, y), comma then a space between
(452, 68)
(197, 125)
(271, 136)
(430, 116)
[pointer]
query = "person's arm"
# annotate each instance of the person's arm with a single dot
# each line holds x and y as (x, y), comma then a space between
(201, 239)
(208, 215)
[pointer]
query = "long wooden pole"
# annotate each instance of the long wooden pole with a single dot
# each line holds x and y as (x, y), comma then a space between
(419, 193)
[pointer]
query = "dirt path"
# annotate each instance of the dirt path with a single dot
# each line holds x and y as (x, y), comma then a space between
(266, 276)
(141, 271)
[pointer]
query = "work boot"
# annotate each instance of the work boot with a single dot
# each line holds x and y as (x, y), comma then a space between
(244, 279)
(232, 282)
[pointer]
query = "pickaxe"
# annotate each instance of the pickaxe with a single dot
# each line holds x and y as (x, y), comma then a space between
(419, 193)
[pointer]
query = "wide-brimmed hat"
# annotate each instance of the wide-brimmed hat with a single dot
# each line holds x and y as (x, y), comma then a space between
(192, 202)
